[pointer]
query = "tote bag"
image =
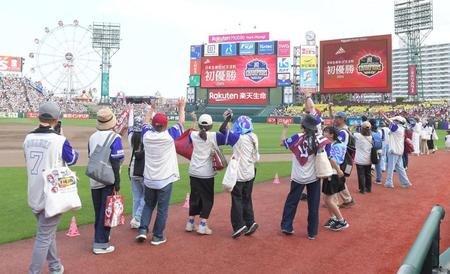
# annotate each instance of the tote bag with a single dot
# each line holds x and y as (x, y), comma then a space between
(230, 176)
(114, 210)
(218, 158)
(99, 166)
(183, 145)
(322, 164)
(61, 192)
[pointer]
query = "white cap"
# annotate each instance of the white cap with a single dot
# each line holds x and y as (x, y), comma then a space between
(399, 119)
(205, 120)
(366, 124)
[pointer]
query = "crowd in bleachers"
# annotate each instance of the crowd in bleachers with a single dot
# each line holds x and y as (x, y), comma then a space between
(438, 110)
(18, 94)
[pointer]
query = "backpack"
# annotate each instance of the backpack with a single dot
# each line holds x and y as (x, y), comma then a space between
(408, 144)
(374, 156)
(99, 166)
(347, 165)
(377, 143)
(139, 163)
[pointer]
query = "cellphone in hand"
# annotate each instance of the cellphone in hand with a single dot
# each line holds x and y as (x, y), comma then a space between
(230, 112)
(58, 127)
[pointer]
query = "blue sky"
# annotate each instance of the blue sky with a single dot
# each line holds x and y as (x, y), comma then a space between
(156, 35)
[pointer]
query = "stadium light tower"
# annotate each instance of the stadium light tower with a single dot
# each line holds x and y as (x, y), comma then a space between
(105, 40)
(413, 23)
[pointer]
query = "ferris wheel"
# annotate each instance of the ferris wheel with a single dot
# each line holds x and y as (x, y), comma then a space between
(64, 60)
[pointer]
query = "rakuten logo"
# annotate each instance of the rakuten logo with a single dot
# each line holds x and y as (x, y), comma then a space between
(219, 97)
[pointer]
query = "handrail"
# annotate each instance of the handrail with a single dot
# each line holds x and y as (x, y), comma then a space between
(423, 256)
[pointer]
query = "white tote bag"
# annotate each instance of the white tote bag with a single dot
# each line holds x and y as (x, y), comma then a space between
(61, 192)
(322, 164)
(230, 176)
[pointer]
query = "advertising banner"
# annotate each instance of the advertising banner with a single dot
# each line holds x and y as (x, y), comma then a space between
(239, 71)
(356, 65)
(271, 120)
(308, 79)
(284, 48)
(32, 115)
(284, 64)
(195, 67)
(280, 120)
(190, 95)
(288, 95)
(76, 116)
(9, 115)
(196, 52)
(228, 49)
(173, 117)
(194, 80)
(283, 79)
(266, 47)
(247, 48)
(412, 80)
(244, 96)
(308, 62)
(308, 51)
(9, 63)
(211, 50)
(259, 36)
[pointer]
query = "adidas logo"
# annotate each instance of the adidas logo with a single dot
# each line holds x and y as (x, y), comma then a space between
(340, 51)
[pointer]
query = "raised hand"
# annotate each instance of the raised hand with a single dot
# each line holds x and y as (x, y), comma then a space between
(194, 116)
(181, 103)
(154, 104)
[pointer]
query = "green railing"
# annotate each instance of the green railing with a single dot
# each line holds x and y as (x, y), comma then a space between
(423, 256)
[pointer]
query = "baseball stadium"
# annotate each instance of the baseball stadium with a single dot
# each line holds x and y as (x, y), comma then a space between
(281, 154)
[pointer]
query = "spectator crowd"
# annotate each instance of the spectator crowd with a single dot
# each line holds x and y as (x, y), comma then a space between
(18, 94)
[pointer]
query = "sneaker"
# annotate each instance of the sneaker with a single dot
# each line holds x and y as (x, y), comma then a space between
(330, 222)
(311, 237)
(203, 229)
(190, 226)
(347, 204)
(61, 271)
(339, 225)
(252, 229)
(141, 237)
(158, 240)
(287, 232)
(378, 182)
(135, 224)
(406, 186)
(239, 232)
(98, 251)
(389, 186)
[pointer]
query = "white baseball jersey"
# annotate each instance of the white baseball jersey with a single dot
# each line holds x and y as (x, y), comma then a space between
(44, 151)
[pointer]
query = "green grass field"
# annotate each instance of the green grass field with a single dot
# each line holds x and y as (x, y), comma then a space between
(17, 221)
(268, 134)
